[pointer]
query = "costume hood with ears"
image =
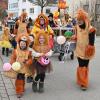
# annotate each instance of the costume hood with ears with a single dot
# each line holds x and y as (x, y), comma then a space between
(23, 15)
(37, 22)
(44, 48)
(82, 15)
(44, 34)
(23, 37)
(6, 30)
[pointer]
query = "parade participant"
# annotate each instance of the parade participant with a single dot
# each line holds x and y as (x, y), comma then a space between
(51, 21)
(42, 22)
(30, 25)
(21, 25)
(40, 51)
(4, 43)
(22, 55)
(31, 37)
(12, 38)
(85, 48)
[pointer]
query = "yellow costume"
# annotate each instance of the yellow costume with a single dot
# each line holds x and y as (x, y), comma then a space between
(5, 38)
(37, 28)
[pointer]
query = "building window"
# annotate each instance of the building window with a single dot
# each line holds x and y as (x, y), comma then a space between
(86, 8)
(23, 9)
(31, 10)
(47, 11)
(9, 6)
(23, 0)
(15, 5)
(97, 8)
(97, 17)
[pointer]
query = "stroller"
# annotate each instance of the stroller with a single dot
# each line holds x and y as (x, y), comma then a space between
(67, 48)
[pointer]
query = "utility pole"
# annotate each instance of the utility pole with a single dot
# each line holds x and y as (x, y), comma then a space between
(73, 5)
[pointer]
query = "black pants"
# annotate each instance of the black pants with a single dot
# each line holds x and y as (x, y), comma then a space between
(40, 77)
(83, 62)
(5, 50)
(14, 43)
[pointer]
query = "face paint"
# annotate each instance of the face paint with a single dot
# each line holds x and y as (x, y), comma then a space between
(42, 21)
(23, 45)
(81, 24)
(41, 39)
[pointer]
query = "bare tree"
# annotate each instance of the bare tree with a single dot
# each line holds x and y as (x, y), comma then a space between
(41, 3)
(92, 9)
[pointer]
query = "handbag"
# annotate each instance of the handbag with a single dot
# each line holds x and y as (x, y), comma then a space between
(44, 61)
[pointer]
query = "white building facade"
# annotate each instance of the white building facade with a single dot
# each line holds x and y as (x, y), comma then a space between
(17, 6)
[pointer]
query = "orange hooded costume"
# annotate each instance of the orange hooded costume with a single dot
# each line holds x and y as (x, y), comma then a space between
(84, 49)
(20, 26)
(37, 28)
(25, 59)
(40, 48)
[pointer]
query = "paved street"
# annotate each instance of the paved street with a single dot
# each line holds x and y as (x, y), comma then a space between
(60, 84)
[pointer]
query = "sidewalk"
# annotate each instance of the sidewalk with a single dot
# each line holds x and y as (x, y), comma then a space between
(7, 90)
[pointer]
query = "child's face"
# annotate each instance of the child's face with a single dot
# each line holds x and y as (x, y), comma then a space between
(50, 18)
(42, 21)
(23, 45)
(31, 39)
(41, 39)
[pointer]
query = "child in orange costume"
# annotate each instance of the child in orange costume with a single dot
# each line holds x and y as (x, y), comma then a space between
(41, 48)
(21, 26)
(22, 55)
